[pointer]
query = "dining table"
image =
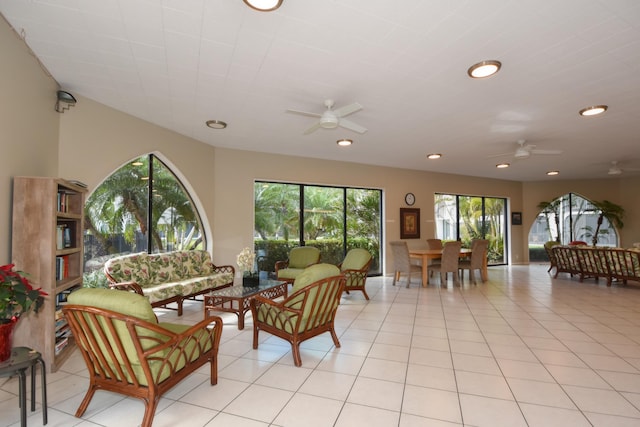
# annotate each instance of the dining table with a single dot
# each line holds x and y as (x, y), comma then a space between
(428, 254)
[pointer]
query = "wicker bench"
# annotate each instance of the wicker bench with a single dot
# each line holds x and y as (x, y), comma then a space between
(168, 277)
(589, 262)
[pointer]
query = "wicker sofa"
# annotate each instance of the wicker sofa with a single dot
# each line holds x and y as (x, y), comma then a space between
(168, 277)
(589, 262)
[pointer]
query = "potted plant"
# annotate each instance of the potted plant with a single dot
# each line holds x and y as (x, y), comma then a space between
(614, 214)
(17, 297)
(246, 264)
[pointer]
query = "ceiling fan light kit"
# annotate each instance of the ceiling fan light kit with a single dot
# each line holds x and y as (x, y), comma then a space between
(524, 151)
(332, 118)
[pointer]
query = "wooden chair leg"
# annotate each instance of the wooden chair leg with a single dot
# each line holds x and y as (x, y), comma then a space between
(85, 402)
(295, 349)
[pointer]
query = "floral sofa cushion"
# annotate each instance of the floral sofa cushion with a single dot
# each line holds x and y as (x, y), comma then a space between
(171, 276)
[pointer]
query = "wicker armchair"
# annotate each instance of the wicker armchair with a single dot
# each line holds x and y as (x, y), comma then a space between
(127, 351)
(300, 258)
(308, 311)
(355, 268)
(449, 262)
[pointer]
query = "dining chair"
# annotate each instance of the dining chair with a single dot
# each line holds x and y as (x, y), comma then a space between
(435, 244)
(449, 262)
(479, 249)
(402, 262)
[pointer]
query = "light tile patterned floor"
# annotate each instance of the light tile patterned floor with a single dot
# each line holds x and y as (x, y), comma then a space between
(520, 350)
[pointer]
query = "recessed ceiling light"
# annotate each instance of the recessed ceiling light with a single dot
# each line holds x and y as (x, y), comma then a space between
(263, 5)
(593, 110)
(216, 124)
(484, 69)
(502, 165)
(434, 156)
(344, 142)
(136, 163)
(552, 173)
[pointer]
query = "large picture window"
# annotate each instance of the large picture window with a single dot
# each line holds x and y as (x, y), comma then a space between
(333, 219)
(466, 218)
(141, 207)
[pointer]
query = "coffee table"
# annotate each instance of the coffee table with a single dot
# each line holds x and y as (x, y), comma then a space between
(236, 299)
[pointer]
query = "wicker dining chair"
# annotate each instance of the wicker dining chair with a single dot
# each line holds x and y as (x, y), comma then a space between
(479, 249)
(402, 263)
(449, 262)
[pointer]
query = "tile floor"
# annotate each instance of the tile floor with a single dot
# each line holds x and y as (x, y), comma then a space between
(519, 350)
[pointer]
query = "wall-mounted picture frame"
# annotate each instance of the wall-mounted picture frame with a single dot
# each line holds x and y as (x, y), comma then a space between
(516, 218)
(409, 223)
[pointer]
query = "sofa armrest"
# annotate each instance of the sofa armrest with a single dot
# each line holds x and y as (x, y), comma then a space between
(127, 286)
(224, 269)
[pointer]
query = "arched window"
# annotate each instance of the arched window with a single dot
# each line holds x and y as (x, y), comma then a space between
(117, 219)
(568, 218)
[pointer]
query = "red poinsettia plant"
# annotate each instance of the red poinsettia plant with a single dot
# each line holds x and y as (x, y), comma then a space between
(17, 295)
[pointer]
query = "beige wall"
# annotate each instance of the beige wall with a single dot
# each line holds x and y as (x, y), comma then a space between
(236, 171)
(91, 140)
(28, 124)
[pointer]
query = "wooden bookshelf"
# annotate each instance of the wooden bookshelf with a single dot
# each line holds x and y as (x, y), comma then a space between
(42, 209)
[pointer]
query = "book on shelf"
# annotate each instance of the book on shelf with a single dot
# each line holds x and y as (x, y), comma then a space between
(61, 344)
(62, 267)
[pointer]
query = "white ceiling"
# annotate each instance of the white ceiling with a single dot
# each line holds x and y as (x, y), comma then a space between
(178, 63)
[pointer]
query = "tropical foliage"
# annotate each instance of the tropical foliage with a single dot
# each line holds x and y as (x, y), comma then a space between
(466, 218)
(279, 219)
(117, 212)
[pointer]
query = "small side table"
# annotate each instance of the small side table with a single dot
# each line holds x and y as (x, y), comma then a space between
(22, 358)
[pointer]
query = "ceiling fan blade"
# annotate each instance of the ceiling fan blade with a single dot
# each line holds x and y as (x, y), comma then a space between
(347, 109)
(500, 155)
(348, 124)
(312, 129)
(550, 152)
(303, 113)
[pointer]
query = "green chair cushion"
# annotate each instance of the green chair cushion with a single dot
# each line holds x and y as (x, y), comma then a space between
(313, 274)
(303, 256)
(356, 259)
(128, 303)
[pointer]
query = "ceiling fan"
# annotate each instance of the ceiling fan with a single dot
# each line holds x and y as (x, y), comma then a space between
(331, 118)
(617, 170)
(524, 151)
